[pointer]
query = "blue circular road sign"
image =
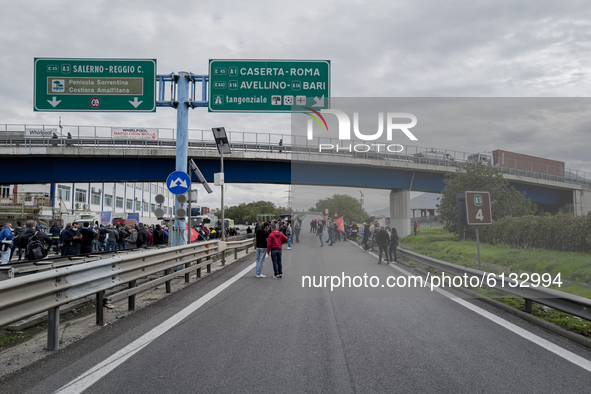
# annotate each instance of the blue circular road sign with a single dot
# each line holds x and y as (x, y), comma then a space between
(178, 182)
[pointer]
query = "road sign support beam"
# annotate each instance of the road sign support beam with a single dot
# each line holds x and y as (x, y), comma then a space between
(182, 142)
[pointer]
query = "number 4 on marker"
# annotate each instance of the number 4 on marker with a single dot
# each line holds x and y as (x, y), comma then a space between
(479, 215)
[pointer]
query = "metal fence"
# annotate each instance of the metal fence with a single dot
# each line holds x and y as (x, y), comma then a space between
(100, 137)
(25, 296)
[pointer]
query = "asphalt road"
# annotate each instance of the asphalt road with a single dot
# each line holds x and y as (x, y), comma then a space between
(276, 336)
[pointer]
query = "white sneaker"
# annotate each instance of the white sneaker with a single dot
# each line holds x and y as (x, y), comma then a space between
(288, 248)
(261, 276)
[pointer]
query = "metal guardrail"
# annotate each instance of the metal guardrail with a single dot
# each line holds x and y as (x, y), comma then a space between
(96, 137)
(26, 267)
(559, 300)
(27, 296)
(46, 291)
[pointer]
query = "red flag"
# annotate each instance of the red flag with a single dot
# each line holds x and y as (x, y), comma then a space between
(326, 217)
(194, 233)
(340, 224)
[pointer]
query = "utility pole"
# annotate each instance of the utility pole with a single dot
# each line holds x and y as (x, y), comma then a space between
(289, 197)
(361, 207)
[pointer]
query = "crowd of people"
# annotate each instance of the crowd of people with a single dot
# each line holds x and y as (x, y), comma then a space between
(269, 240)
(205, 233)
(270, 237)
(35, 241)
(384, 237)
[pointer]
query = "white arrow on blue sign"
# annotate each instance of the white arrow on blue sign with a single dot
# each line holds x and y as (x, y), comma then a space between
(178, 182)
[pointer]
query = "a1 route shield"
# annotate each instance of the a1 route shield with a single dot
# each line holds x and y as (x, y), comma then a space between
(178, 182)
(94, 85)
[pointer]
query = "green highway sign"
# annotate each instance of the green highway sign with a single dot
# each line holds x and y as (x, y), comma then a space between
(94, 85)
(268, 85)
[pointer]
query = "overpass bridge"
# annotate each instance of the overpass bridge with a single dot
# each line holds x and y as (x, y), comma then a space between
(93, 155)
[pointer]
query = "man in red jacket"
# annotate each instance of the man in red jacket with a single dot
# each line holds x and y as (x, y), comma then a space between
(274, 244)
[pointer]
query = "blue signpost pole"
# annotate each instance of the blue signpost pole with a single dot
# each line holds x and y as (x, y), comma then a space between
(182, 145)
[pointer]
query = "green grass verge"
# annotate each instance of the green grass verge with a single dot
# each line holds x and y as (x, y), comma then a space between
(572, 267)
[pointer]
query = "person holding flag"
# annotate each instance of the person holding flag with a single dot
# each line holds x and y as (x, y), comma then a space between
(329, 231)
(339, 227)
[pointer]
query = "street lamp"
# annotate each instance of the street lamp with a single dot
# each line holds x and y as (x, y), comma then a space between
(223, 145)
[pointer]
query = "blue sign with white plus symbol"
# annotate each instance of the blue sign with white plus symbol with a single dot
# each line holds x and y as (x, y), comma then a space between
(178, 182)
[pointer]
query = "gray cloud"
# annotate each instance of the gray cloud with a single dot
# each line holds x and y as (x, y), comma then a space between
(377, 49)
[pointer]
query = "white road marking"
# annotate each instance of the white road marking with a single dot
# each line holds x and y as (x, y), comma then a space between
(100, 370)
(559, 351)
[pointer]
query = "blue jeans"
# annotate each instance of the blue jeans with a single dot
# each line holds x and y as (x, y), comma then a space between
(20, 252)
(122, 245)
(393, 250)
(261, 252)
(276, 257)
(5, 256)
(54, 241)
(289, 241)
(383, 249)
(320, 236)
(110, 246)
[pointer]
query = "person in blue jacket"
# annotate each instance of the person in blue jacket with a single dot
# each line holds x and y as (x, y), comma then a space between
(6, 237)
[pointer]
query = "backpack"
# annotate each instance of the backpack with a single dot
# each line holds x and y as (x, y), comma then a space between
(122, 234)
(35, 248)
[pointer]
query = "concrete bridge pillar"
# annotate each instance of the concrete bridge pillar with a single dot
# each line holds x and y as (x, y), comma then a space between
(400, 211)
(582, 201)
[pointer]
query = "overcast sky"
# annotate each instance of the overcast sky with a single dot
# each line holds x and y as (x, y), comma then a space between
(377, 49)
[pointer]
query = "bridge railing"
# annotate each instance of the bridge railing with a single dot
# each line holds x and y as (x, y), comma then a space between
(97, 137)
(26, 296)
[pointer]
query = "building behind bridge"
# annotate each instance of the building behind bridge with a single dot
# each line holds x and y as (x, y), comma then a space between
(56, 203)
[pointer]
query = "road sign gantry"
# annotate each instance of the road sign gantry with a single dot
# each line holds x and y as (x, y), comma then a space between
(129, 85)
